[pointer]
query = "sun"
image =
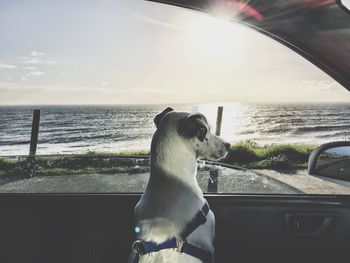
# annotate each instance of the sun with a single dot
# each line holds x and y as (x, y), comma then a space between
(216, 37)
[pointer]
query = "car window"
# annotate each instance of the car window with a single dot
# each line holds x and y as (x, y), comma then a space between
(100, 72)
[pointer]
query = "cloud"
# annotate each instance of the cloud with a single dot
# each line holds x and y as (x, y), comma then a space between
(36, 61)
(6, 84)
(325, 85)
(35, 73)
(32, 61)
(31, 74)
(36, 58)
(6, 66)
(37, 54)
(30, 68)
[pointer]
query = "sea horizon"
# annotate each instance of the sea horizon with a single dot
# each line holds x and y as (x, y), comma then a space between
(79, 128)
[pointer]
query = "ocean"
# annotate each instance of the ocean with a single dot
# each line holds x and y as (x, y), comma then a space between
(114, 128)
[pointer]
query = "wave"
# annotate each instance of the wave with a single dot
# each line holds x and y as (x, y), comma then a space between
(321, 128)
(131, 126)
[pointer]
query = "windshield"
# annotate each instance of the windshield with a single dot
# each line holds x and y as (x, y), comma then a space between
(100, 72)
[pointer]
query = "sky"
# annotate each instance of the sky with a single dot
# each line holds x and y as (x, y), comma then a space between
(137, 52)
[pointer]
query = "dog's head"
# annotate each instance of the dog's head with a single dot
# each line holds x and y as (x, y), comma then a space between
(193, 132)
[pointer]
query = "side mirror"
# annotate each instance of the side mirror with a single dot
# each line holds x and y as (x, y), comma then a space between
(331, 160)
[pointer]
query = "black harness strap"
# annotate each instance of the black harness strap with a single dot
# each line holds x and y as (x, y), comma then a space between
(199, 219)
(141, 247)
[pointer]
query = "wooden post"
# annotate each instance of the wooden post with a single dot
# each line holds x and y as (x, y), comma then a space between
(33, 144)
(35, 133)
(214, 173)
(213, 181)
(219, 120)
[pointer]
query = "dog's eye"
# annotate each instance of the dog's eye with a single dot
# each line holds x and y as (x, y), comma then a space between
(202, 132)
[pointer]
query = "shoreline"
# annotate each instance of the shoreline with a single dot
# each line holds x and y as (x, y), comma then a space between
(248, 155)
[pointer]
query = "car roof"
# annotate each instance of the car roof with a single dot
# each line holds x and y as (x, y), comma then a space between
(319, 30)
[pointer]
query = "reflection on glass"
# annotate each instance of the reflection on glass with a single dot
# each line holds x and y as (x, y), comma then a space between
(346, 3)
(334, 162)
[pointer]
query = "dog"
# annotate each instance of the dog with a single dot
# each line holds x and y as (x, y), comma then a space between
(173, 201)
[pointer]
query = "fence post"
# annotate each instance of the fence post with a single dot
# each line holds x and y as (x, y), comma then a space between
(213, 180)
(214, 173)
(219, 120)
(35, 133)
(33, 142)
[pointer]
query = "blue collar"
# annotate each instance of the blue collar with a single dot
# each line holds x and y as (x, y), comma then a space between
(141, 247)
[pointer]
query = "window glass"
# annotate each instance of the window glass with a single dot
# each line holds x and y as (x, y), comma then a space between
(101, 71)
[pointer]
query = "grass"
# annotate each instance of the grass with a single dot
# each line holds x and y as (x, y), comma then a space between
(278, 157)
(123, 153)
(245, 154)
(66, 165)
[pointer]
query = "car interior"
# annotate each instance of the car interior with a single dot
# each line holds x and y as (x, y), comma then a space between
(265, 227)
(99, 228)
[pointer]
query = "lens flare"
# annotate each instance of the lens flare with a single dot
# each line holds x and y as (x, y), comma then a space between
(137, 229)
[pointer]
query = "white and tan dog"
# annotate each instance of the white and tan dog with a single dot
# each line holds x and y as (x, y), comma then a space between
(172, 197)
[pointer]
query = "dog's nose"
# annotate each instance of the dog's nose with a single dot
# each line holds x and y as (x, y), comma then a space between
(227, 145)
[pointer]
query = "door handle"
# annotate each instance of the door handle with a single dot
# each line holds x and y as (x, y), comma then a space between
(309, 225)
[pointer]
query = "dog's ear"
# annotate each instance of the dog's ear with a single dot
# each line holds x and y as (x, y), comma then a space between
(195, 125)
(157, 120)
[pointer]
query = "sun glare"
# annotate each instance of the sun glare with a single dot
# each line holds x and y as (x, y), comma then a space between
(216, 37)
(232, 111)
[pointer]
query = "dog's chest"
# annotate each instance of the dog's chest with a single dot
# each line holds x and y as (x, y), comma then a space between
(168, 221)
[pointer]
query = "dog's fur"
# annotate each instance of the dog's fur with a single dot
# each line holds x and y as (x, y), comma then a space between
(173, 197)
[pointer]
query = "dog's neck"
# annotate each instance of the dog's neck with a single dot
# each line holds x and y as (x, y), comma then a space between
(173, 161)
(172, 196)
